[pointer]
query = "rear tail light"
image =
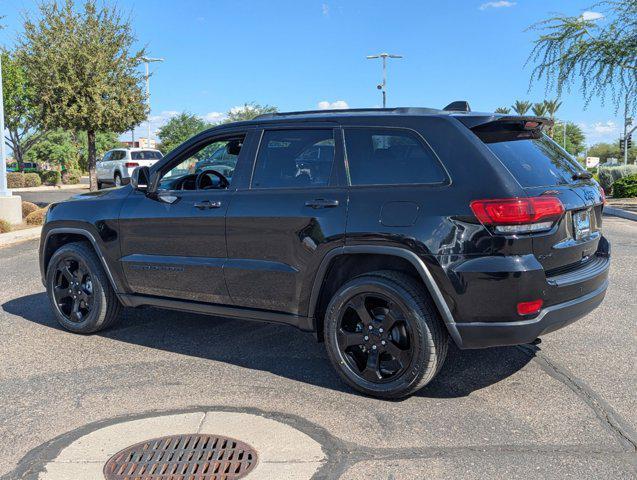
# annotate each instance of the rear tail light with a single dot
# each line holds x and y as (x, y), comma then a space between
(519, 215)
(131, 164)
(529, 308)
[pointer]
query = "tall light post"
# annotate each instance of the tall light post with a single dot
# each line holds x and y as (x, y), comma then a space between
(148, 61)
(383, 86)
(4, 191)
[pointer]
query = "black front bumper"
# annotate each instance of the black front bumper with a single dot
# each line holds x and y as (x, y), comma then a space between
(487, 334)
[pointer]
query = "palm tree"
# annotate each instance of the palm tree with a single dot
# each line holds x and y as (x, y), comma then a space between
(539, 109)
(552, 106)
(521, 106)
(504, 110)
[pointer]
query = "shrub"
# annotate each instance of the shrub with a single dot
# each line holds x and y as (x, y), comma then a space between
(37, 217)
(27, 208)
(5, 226)
(625, 187)
(52, 177)
(32, 180)
(71, 177)
(609, 175)
(15, 180)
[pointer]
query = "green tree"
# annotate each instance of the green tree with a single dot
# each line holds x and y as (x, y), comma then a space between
(104, 141)
(552, 106)
(610, 150)
(248, 111)
(503, 110)
(574, 138)
(21, 122)
(81, 67)
(600, 51)
(179, 129)
(539, 109)
(521, 107)
(57, 149)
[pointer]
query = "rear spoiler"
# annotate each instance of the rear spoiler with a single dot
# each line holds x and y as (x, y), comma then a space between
(481, 120)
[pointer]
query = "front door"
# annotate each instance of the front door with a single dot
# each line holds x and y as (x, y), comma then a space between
(173, 242)
(281, 225)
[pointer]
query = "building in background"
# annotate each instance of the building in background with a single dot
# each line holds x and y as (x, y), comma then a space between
(141, 142)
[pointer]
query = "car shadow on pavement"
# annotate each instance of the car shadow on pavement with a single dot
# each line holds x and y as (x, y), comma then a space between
(279, 349)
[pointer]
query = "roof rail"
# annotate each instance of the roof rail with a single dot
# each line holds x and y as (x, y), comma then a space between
(396, 110)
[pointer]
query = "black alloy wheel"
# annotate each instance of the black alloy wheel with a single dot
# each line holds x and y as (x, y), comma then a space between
(374, 337)
(73, 289)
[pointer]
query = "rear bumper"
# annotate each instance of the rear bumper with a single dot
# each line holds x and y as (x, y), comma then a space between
(493, 334)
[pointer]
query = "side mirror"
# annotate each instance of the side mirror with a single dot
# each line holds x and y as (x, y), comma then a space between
(140, 179)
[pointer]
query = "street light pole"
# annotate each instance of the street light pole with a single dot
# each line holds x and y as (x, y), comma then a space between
(148, 61)
(4, 191)
(383, 86)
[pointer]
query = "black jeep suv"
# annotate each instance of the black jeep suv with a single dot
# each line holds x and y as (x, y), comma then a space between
(385, 232)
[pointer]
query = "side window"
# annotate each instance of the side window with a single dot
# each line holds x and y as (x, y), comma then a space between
(117, 155)
(107, 156)
(294, 158)
(387, 156)
(217, 156)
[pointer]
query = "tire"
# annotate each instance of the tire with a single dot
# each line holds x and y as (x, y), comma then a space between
(84, 274)
(118, 180)
(420, 339)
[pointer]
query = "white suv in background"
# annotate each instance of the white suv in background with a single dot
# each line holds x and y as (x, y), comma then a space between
(117, 165)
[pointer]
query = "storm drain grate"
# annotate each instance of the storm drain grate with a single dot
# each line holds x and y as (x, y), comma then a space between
(183, 457)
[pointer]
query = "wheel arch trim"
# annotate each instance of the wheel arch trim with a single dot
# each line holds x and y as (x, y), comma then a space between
(89, 236)
(411, 257)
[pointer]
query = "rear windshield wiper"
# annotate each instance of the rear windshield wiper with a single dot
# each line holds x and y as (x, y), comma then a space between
(584, 175)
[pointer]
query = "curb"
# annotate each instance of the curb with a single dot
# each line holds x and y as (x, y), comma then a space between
(51, 188)
(18, 236)
(618, 212)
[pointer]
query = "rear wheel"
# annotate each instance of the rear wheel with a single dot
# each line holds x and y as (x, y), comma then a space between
(79, 291)
(383, 335)
(118, 180)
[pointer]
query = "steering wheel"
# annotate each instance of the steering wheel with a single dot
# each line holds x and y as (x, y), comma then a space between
(199, 183)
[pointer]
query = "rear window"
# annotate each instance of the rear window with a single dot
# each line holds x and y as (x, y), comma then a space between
(146, 155)
(531, 156)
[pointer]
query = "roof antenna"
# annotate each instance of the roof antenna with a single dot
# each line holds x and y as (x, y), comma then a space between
(458, 106)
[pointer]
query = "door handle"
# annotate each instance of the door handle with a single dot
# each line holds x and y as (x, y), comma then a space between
(321, 203)
(207, 205)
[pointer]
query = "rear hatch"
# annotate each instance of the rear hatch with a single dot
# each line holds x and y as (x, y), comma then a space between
(543, 168)
(145, 158)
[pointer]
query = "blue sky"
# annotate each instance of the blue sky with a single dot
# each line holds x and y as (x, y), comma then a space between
(297, 53)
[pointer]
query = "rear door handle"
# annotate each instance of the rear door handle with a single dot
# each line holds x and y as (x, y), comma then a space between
(207, 205)
(321, 203)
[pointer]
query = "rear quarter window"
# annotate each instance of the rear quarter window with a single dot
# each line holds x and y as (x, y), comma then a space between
(390, 156)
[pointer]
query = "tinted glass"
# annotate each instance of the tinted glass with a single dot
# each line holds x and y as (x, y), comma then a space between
(117, 155)
(294, 158)
(378, 156)
(146, 155)
(532, 158)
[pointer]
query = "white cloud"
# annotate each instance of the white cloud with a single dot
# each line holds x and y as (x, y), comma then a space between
(337, 105)
(325, 8)
(214, 117)
(498, 4)
(597, 132)
(588, 15)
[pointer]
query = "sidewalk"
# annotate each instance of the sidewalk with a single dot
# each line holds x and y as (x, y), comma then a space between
(622, 207)
(46, 188)
(17, 236)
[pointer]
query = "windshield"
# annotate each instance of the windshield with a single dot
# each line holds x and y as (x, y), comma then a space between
(532, 157)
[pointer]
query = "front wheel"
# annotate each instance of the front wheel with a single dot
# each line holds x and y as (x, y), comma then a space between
(384, 336)
(79, 290)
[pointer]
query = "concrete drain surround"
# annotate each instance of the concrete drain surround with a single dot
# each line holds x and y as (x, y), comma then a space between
(282, 451)
(183, 457)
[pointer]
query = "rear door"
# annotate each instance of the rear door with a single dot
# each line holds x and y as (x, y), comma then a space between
(282, 223)
(541, 167)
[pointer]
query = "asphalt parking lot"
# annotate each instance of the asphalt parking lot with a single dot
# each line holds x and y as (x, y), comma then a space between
(565, 408)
